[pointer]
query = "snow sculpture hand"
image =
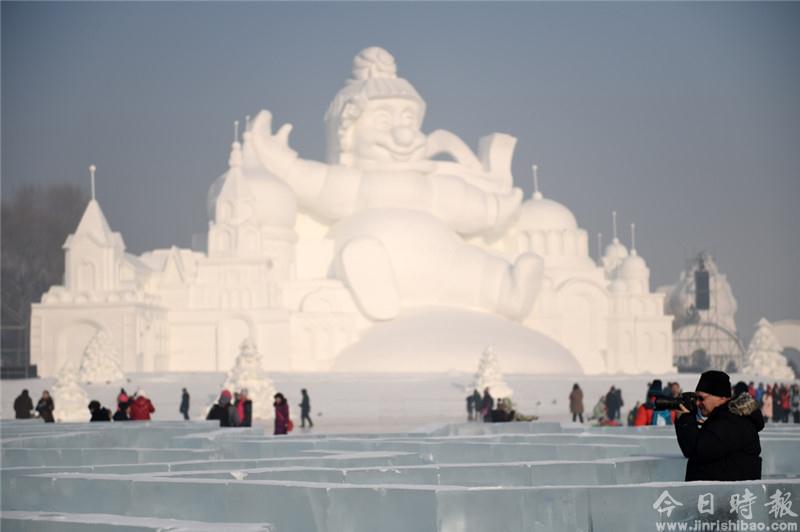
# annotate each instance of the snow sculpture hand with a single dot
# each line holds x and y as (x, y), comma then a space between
(273, 150)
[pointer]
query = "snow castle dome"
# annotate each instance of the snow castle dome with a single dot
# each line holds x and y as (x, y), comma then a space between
(271, 203)
(542, 214)
(633, 267)
(275, 204)
(615, 252)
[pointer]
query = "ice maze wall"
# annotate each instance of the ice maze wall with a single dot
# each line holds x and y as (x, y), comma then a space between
(451, 478)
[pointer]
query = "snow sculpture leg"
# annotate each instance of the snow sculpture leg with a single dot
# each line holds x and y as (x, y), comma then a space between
(365, 267)
(393, 257)
(520, 286)
(479, 279)
(469, 210)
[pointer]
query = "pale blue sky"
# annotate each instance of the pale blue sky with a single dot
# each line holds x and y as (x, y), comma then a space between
(684, 117)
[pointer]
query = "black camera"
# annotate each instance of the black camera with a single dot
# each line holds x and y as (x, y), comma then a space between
(686, 399)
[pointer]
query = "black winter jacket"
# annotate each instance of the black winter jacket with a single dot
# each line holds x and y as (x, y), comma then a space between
(23, 405)
(726, 447)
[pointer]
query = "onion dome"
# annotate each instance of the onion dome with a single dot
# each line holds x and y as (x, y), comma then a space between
(542, 214)
(615, 251)
(633, 267)
(270, 202)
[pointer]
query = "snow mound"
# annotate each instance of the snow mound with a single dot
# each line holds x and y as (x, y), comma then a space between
(490, 376)
(70, 400)
(438, 339)
(247, 374)
(764, 355)
(99, 363)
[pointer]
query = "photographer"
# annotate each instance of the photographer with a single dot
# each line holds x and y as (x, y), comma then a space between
(726, 445)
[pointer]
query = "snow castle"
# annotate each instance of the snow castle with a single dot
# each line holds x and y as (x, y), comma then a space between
(404, 251)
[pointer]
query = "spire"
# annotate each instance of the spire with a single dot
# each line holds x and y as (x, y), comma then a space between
(92, 170)
(599, 246)
(235, 158)
(94, 225)
(536, 193)
(633, 239)
(614, 226)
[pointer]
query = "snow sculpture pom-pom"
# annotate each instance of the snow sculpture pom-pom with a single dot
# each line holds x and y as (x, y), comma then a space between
(99, 363)
(490, 376)
(374, 62)
(764, 355)
(71, 402)
(247, 373)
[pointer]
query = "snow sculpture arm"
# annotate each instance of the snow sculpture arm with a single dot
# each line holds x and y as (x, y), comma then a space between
(490, 171)
(470, 185)
(330, 191)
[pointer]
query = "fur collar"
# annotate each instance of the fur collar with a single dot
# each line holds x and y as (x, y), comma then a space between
(743, 405)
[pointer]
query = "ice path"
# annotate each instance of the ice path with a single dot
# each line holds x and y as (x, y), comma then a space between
(538, 476)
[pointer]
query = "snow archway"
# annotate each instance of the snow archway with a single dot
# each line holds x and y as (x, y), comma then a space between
(72, 340)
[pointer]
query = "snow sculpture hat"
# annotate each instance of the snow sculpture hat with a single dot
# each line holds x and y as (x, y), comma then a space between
(374, 77)
(715, 383)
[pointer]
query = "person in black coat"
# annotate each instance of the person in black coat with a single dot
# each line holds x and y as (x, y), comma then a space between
(305, 410)
(222, 409)
(487, 405)
(99, 413)
(726, 446)
(184, 409)
(612, 403)
(23, 405)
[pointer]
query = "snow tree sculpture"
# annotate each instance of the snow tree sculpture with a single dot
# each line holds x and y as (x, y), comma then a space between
(490, 376)
(764, 355)
(99, 363)
(70, 401)
(248, 373)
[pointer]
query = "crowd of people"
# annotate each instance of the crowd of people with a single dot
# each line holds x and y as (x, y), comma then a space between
(778, 402)
(23, 407)
(231, 409)
(236, 410)
(607, 411)
(483, 408)
(129, 408)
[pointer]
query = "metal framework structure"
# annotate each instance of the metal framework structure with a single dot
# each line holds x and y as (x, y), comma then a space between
(707, 345)
(702, 342)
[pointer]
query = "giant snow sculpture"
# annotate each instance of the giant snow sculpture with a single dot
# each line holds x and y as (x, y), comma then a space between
(404, 251)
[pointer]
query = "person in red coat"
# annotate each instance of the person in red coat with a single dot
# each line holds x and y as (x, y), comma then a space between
(141, 408)
(281, 414)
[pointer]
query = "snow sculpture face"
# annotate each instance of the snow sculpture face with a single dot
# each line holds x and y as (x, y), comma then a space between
(376, 117)
(388, 131)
